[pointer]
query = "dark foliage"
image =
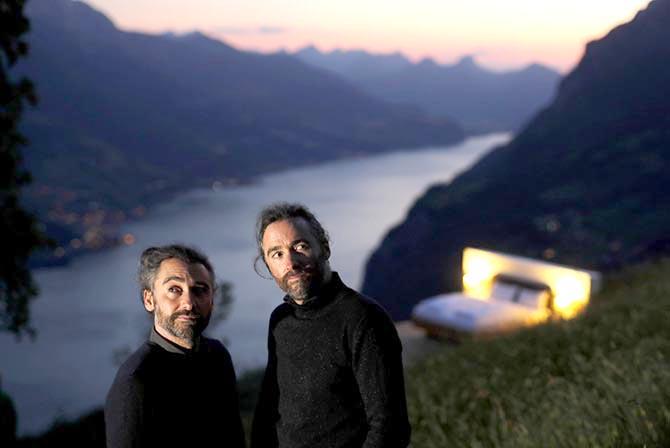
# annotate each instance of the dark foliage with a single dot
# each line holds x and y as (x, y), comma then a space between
(19, 231)
(87, 431)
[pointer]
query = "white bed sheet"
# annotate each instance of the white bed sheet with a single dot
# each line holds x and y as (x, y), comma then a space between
(462, 313)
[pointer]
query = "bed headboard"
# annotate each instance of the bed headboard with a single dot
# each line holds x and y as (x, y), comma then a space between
(570, 288)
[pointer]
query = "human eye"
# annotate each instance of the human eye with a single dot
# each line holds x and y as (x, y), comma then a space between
(302, 247)
(276, 254)
(173, 289)
(201, 291)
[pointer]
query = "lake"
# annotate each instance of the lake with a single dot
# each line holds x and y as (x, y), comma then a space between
(90, 310)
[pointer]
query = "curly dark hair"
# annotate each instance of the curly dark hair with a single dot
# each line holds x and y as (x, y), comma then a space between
(284, 210)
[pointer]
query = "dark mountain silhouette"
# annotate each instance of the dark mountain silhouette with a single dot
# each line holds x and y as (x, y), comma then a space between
(125, 119)
(586, 183)
(481, 100)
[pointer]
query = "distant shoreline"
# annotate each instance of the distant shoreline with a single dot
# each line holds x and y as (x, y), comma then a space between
(110, 235)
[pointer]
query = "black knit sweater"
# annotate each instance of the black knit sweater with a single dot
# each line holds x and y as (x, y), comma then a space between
(334, 376)
(165, 396)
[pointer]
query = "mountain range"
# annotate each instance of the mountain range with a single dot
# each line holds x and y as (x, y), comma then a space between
(481, 100)
(585, 183)
(127, 119)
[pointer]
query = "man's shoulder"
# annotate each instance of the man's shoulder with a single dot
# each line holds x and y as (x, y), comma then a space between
(209, 345)
(132, 376)
(280, 312)
(138, 361)
(362, 306)
(370, 321)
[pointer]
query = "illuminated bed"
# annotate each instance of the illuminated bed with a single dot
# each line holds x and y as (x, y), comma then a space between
(503, 293)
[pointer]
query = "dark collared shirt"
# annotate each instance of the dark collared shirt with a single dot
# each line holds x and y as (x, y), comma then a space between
(170, 346)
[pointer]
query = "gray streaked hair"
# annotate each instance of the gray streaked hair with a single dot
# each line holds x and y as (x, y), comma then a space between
(152, 257)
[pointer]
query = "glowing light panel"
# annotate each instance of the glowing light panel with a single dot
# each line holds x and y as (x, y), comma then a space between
(571, 288)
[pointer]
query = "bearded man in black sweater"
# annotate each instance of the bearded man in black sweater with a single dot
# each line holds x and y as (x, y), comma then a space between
(179, 388)
(334, 376)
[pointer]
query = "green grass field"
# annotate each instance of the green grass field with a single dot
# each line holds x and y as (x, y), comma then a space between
(601, 380)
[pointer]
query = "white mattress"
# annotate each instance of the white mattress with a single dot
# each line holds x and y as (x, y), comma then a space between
(462, 313)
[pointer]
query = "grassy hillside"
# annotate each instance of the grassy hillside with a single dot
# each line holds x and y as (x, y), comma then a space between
(600, 380)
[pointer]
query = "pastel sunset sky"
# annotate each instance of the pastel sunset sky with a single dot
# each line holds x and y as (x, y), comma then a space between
(501, 34)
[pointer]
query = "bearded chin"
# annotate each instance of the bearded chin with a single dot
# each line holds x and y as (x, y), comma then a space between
(301, 290)
(306, 287)
(188, 332)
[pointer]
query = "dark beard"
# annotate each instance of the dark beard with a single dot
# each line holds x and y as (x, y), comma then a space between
(307, 285)
(186, 331)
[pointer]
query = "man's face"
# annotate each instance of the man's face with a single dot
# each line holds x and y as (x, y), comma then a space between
(181, 300)
(295, 258)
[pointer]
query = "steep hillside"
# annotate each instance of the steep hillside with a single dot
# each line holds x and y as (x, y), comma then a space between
(587, 182)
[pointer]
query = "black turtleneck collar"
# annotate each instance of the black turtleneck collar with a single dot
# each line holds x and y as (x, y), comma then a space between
(325, 295)
(170, 346)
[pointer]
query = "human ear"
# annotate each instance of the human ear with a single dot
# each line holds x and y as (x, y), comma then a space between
(148, 300)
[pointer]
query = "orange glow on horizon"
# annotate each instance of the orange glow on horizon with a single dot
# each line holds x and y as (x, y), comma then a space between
(501, 35)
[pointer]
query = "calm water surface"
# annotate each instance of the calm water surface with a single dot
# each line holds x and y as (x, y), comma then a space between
(91, 308)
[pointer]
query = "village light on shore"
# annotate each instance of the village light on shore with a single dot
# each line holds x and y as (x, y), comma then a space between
(128, 239)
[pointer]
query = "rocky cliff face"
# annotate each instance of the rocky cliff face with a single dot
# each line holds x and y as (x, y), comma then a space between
(587, 182)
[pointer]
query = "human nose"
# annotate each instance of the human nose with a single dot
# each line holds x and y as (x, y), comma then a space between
(187, 300)
(293, 260)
